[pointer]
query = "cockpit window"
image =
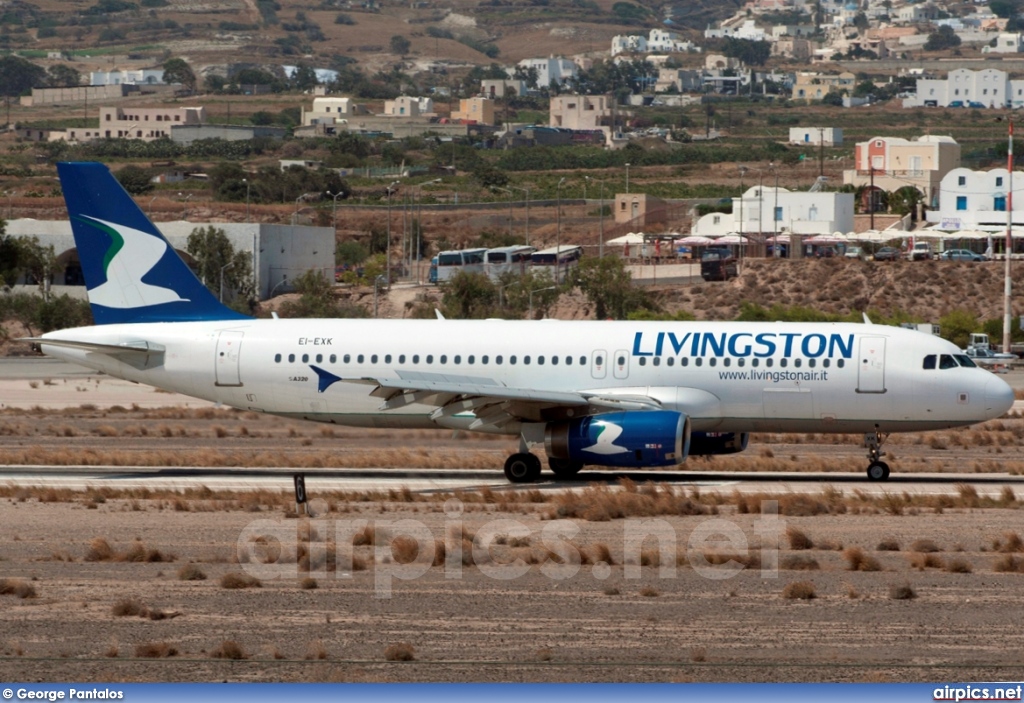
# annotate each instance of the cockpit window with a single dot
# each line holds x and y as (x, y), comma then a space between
(929, 362)
(946, 361)
(966, 361)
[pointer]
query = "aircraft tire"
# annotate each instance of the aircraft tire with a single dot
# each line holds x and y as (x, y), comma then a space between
(878, 471)
(564, 468)
(522, 468)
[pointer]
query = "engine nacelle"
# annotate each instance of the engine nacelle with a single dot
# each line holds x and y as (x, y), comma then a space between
(704, 443)
(629, 439)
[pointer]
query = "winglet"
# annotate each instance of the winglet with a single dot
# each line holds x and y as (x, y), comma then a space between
(325, 379)
(132, 273)
(867, 320)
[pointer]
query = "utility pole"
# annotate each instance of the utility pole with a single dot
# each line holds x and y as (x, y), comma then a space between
(1007, 302)
(871, 195)
(821, 151)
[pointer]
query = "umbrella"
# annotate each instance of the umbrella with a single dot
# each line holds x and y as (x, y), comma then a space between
(695, 240)
(732, 239)
(626, 240)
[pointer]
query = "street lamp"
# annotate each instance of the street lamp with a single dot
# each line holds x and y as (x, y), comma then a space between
(527, 191)
(284, 279)
(247, 184)
(627, 178)
(10, 203)
(510, 194)
(538, 290)
(558, 234)
(600, 241)
(775, 213)
(391, 190)
(295, 215)
(419, 226)
(222, 268)
(743, 172)
(335, 196)
(184, 212)
(376, 283)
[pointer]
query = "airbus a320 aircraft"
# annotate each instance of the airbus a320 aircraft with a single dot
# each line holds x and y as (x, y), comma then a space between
(621, 394)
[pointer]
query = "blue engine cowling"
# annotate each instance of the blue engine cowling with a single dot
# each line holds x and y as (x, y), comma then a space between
(630, 439)
(705, 443)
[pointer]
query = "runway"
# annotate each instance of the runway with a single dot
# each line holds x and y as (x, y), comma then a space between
(434, 480)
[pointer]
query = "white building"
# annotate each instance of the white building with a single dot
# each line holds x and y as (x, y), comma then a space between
(829, 136)
(977, 200)
(551, 70)
(144, 76)
(658, 40)
(628, 44)
(769, 211)
(965, 88)
(1006, 43)
(748, 30)
(327, 110)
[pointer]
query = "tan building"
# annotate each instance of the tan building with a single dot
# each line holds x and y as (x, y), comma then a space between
(815, 86)
(144, 123)
(330, 111)
(640, 210)
(892, 162)
(796, 48)
(580, 111)
(478, 110)
(403, 106)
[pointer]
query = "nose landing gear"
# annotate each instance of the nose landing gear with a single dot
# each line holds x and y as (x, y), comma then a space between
(878, 470)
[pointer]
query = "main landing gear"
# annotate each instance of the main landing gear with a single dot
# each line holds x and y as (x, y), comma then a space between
(878, 470)
(523, 467)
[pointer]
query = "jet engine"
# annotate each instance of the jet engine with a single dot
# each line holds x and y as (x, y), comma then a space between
(704, 443)
(629, 439)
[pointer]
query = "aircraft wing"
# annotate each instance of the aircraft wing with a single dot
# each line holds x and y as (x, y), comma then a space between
(494, 404)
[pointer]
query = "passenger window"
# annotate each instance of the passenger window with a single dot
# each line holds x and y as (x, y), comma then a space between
(713, 361)
(769, 362)
(783, 363)
(373, 359)
(526, 359)
(726, 361)
(622, 361)
(291, 358)
(319, 358)
(277, 358)
(599, 360)
(568, 361)
(796, 363)
(699, 361)
(826, 362)
(755, 362)
(512, 360)
(497, 360)
(458, 359)
(671, 361)
(444, 359)
(583, 361)
(305, 358)
(657, 361)
(387, 358)
(840, 363)
(415, 358)
(946, 361)
(929, 362)
(430, 358)
(741, 362)
(812, 363)
(484, 359)
(685, 361)
(470, 360)
(348, 358)
(360, 359)
(540, 360)
(401, 358)
(643, 361)
(554, 361)
(334, 358)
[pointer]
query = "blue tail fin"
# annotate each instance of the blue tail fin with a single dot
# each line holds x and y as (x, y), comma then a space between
(131, 272)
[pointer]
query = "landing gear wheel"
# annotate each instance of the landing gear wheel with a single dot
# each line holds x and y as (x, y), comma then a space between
(522, 468)
(564, 468)
(878, 471)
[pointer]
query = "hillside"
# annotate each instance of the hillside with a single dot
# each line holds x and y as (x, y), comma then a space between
(924, 290)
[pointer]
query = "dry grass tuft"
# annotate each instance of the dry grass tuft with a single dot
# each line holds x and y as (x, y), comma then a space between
(698, 654)
(316, 651)
(1010, 543)
(959, 566)
(924, 546)
(99, 550)
(800, 562)
(601, 552)
(921, 561)
(798, 539)
(400, 652)
(235, 579)
(857, 560)
(902, 591)
(308, 584)
(650, 592)
(544, 654)
(229, 649)
(1009, 564)
(17, 587)
(191, 572)
(799, 590)
(129, 607)
(155, 650)
(603, 503)
(404, 550)
(889, 544)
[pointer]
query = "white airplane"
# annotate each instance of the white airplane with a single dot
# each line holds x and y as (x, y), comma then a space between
(621, 394)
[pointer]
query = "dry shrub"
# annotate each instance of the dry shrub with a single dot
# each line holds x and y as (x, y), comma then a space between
(611, 591)
(17, 587)
(544, 654)
(516, 542)
(602, 503)
(800, 562)
(440, 552)
(404, 550)
(129, 607)
(191, 572)
(924, 546)
(921, 561)
(799, 590)
(959, 566)
(112, 651)
(902, 591)
(650, 592)
(698, 654)
(600, 552)
(365, 536)
(1007, 496)
(229, 649)
(1011, 543)
(968, 495)
(316, 651)
(650, 557)
(235, 579)
(889, 544)
(155, 650)
(400, 652)
(798, 539)
(857, 560)
(99, 550)
(106, 431)
(308, 584)
(1009, 564)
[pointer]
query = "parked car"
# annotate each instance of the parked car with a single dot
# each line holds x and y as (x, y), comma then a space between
(718, 265)
(854, 253)
(961, 255)
(888, 254)
(922, 251)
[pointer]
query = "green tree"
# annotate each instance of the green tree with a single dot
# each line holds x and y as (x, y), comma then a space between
(944, 37)
(400, 45)
(350, 253)
(516, 290)
(317, 299)
(904, 200)
(135, 179)
(178, 71)
(213, 254)
(63, 76)
(18, 76)
(957, 326)
(304, 77)
(609, 287)
(37, 262)
(10, 257)
(469, 296)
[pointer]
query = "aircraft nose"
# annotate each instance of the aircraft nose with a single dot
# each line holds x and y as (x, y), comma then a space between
(999, 397)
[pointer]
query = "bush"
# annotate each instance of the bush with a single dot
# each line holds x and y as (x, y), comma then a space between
(857, 560)
(902, 591)
(191, 572)
(400, 652)
(237, 580)
(229, 649)
(799, 590)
